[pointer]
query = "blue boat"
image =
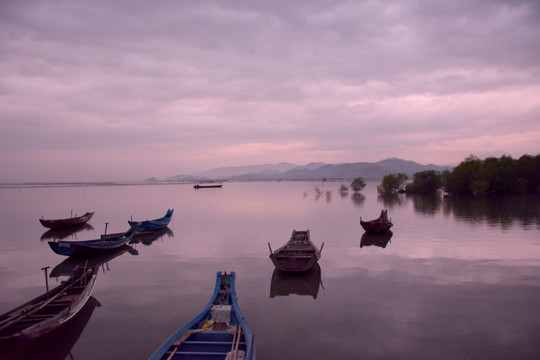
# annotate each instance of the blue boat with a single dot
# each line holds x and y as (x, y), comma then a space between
(153, 225)
(218, 332)
(92, 247)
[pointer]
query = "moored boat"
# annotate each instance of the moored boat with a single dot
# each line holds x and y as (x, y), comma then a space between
(68, 222)
(298, 254)
(219, 331)
(198, 186)
(54, 344)
(379, 225)
(48, 311)
(91, 247)
(153, 225)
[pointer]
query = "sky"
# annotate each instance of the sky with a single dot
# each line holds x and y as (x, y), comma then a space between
(126, 90)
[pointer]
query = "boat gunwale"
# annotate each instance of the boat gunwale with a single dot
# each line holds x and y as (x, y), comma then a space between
(235, 311)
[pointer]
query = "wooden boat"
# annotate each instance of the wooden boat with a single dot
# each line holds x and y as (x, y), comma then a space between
(218, 332)
(51, 309)
(379, 225)
(298, 254)
(55, 344)
(153, 225)
(91, 247)
(69, 222)
(197, 186)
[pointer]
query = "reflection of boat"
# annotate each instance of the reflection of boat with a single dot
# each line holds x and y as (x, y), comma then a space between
(47, 311)
(218, 332)
(68, 222)
(91, 247)
(379, 239)
(197, 186)
(153, 225)
(381, 224)
(298, 254)
(148, 237)
(59, 234)
(55, 344)
(67, 266)
(285, 283)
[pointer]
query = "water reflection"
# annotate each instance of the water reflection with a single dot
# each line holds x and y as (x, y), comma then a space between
(358, 199)
(70, 264)
(56, 344)
(48, 326)
(376, 239)
(391, 200)
(59, 234)
(503, 210)
(286, 283)
(148, 237)
(426, 204)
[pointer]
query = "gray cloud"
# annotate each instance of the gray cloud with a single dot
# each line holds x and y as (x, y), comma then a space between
(331, 81)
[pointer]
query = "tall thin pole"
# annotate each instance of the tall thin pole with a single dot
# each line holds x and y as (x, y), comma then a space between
(46, 280)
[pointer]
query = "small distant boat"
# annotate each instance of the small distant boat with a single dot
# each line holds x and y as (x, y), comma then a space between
(218, 332)
(91, 247)
(197, 186)
(379, 225)
(298, 254)
(51, 309)
(66, 223)
(153, 225)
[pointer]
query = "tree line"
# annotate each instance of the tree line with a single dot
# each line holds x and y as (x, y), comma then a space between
(492, 176)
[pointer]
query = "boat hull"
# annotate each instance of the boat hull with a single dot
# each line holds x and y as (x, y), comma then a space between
(46, 312)
(68, 222)
(291, 263)
(91, 247)
(380, 225)
(206, 186)
(153, 225)
(376, 226)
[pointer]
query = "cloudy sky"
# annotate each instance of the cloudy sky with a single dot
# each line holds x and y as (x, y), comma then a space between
(125, 90)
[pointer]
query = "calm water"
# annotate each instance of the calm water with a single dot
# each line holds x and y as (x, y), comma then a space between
(458, 279)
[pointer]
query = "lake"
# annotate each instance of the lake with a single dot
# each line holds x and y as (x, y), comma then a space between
(458, 278)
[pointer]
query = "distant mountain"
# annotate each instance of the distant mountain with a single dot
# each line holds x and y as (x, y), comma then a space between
(314, 170)
(265, 169)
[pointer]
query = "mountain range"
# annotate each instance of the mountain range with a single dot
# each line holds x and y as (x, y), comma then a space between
(316, 170)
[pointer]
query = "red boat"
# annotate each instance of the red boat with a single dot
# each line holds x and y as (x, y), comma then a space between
(65, 223)
(379, 225)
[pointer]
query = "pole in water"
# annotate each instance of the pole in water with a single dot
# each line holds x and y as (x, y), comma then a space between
(46, 280)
